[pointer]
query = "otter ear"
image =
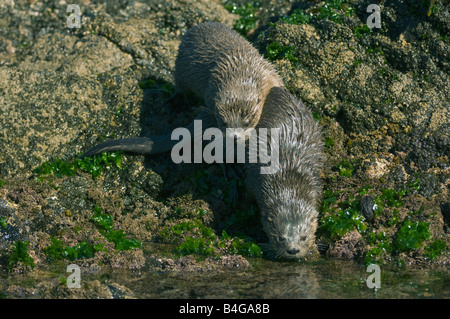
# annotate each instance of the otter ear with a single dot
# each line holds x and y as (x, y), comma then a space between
(303, 238)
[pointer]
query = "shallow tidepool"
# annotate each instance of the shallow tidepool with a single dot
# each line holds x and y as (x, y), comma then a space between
(265, 279)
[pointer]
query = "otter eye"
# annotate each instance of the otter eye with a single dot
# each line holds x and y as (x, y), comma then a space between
(303, 238)
(281, 239)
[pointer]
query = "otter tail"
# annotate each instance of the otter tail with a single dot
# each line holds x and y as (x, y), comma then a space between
(139, 145)
(147, 145)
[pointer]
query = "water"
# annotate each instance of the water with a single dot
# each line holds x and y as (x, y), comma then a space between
(265, 279)
(323, 279)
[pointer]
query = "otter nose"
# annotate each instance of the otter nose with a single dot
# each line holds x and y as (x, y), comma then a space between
(292, 251)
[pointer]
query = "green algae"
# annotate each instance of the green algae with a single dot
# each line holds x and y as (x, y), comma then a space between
(435, 249)
(342, 220)
(249, 19)
(58, 251)
(340, 216)
(93, 165)
(345, 168)
(166, 88)
(84, 249)
(412, 235)
(297, 17)
(198, 246)
(375, 50)
(331, 11)
(19, 253)
(335, 10)
(239, 246)
(147, 84)
(194, 238)
(329, 142)
(361, 31)
(381, 246)
(276, 51)
(392, 197)
(3, 222)
(104, 223)
(196, 226)
(201, 241)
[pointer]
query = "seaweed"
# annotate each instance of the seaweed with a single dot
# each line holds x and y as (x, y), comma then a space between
(94, 165)
(19, 253)
(298, 16)
(276, 51)
(104, 223)
(411, 235)
(83, 250)
(193, 237)
(247, 11)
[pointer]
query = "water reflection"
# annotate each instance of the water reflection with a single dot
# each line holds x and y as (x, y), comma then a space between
(265, 279)
(323, 279)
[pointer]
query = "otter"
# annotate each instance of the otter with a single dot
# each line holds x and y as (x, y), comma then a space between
(289, 199)
(242, 90)
(218, 65)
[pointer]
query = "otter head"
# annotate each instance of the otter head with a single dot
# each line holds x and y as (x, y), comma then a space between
(237, 104)
(290, 226)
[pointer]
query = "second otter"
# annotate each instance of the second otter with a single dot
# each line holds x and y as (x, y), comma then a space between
(289, 198)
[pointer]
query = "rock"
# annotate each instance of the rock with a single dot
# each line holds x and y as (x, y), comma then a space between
(349, 246)
(367, 208)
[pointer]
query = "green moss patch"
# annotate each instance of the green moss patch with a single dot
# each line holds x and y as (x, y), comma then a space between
(19, 253)
(57, 250)
(435, 249)
(388, 234)
(193, 237)
(276, 51)
(104, 223)
(412, 235)
(94, 165)
(340, 220)
(298, 16)
(248, 12)
(3, 222)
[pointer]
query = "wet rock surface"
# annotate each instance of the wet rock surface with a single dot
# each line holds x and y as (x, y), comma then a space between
(381, 96)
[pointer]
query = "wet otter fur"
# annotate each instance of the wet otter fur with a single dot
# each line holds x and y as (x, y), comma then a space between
(219, 65)
(289, 199)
